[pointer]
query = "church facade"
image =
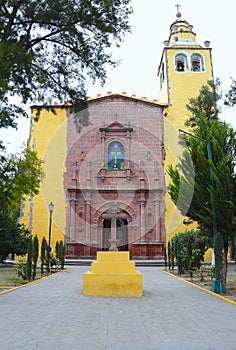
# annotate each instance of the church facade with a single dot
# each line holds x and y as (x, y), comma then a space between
(109, 181)
(114, 180)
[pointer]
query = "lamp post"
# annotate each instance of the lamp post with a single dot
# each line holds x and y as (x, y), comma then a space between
(216, 285)
(51, 208)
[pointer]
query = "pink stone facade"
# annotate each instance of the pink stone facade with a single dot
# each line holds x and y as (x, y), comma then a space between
(110, 204)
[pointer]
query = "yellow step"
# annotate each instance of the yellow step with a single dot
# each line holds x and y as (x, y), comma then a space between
(113, 267)
(112, 256)
(115, 285)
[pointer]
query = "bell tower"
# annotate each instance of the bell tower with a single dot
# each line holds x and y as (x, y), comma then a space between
(185, 66)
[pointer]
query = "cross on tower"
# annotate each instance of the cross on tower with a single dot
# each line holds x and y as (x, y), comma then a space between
(177, 6)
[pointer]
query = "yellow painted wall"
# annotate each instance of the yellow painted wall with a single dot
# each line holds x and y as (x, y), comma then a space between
(49, 136)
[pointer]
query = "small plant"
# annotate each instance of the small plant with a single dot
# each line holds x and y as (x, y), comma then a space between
(53, 261)
(21, 269)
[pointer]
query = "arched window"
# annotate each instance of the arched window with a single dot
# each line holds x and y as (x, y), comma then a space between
(181, 63)
(115, 156)
(196, 63)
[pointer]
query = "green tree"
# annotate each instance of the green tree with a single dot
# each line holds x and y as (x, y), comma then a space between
(57, 250)
(230, 98)
(19, 175)
(205, 104)
(169, 254)
(234, 249)
(35, 255)
(214, 195)
(189, 248)
(219, 256)
(165, 259)
(47, 48)
(60, 253)
(63, 253)
(13, 237)
(43, 255)
(29, 259)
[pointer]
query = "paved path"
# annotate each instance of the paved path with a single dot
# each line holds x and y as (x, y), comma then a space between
(53, 314)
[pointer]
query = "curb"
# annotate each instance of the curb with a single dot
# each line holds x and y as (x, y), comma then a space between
(32, 282)
(199, 287)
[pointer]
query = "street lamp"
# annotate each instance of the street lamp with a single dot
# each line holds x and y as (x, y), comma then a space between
(51, 208)
(216, 285)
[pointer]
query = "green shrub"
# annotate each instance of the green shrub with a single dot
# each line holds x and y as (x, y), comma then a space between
(188, 249)
(21, 269)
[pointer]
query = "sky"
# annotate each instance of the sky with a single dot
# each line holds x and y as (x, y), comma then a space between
(141, 51)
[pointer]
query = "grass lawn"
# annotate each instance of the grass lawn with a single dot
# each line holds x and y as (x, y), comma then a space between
(9, 277)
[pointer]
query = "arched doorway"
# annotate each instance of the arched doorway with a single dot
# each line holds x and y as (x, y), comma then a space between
(119, 226)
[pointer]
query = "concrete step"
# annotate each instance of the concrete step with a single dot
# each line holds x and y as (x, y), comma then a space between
(87, 262)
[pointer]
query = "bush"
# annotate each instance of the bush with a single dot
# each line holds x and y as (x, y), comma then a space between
(21, 269)
(60, 253)
(188, 249)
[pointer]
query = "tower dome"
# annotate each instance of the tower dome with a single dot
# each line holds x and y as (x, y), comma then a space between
(181, 32)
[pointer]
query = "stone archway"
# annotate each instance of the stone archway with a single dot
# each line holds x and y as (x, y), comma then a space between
(111, 208)
(115, 227)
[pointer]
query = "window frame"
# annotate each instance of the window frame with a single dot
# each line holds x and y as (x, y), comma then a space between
(201, 62)
(184, 62)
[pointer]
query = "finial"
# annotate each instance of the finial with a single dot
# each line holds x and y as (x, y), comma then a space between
(178, 13)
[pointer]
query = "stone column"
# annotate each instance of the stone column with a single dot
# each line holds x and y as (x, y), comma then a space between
(157, 220)
(87, 221)
(73, 221)
(80, 222)
(129, 149)
(103, 137)
(113, 239)
(142, 220)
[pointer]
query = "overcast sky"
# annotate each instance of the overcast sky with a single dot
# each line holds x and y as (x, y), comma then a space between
(141, 51)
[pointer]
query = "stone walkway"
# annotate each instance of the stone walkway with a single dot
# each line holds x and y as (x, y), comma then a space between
(172, 315)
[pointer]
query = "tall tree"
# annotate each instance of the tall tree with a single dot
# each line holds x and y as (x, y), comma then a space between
(35, 254)
(48, 47)
(230, 98)
(205, 104)
(19, 175)
(29, 259)
(13, 237)
(43, 256)
(214, 196)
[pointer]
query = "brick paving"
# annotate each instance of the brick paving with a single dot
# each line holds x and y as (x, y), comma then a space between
(53, 314)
